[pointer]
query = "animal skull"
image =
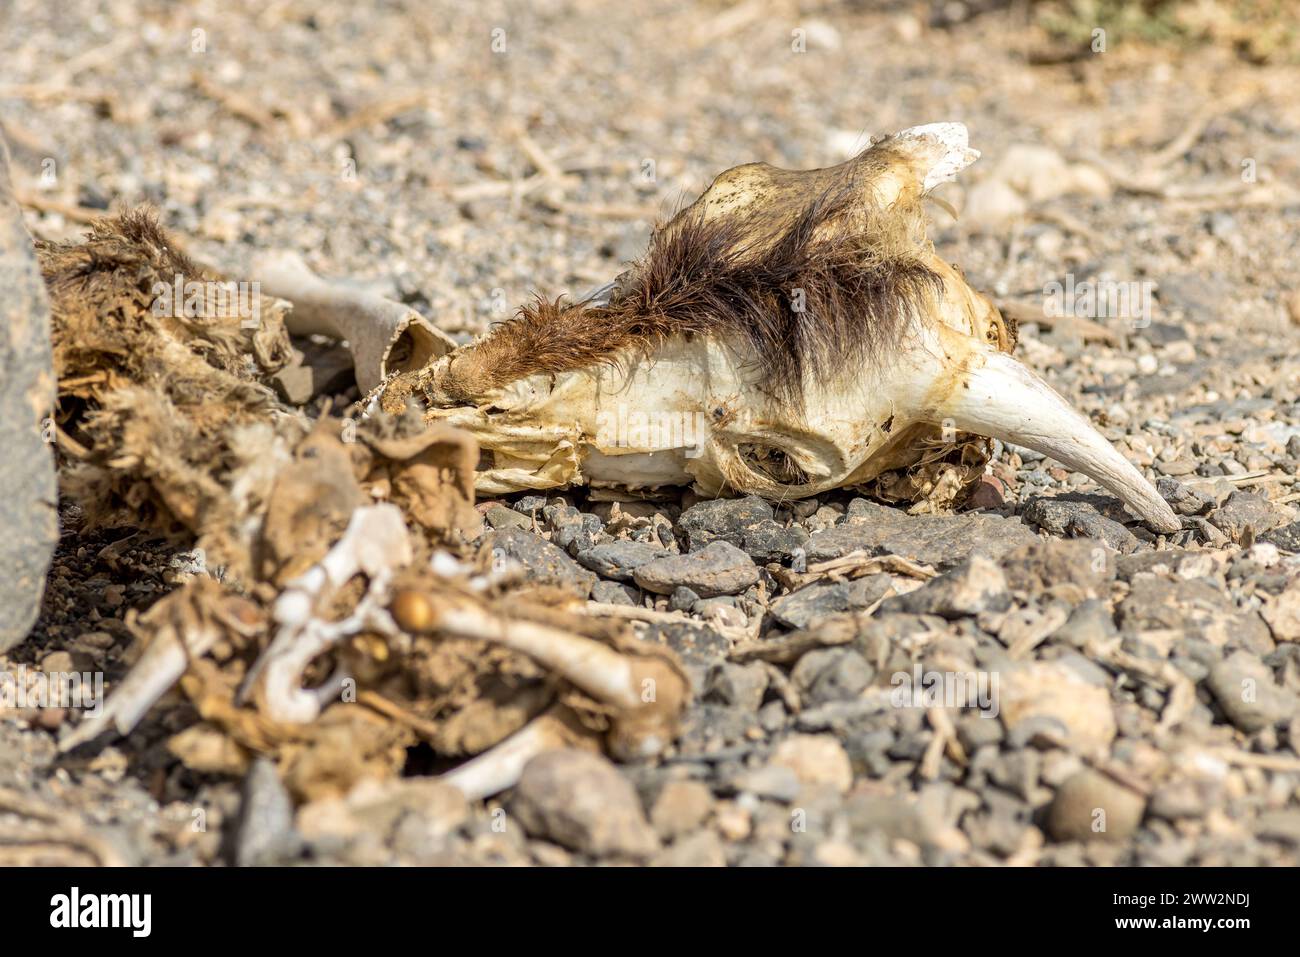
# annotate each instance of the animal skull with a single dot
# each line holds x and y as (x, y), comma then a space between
(786, 334)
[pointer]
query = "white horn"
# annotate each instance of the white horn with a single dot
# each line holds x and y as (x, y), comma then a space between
(1000, 398)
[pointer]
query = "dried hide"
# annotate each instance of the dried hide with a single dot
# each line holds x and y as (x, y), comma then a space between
(163, 414)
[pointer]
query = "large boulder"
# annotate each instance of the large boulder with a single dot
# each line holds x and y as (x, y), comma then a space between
(28, 498)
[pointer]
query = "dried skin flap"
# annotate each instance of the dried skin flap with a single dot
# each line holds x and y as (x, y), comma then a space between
(430, 475)
(160, 372)
(311, 502)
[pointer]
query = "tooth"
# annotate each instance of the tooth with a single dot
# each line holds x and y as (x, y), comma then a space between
(1000, 398)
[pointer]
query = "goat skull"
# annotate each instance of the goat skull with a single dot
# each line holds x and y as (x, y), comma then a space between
(786, 334)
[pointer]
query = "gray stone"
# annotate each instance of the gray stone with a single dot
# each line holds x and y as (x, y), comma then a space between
(1164, 560)
(801, 608)
(1244, 688)
(1091, 806)
(1242, 511)
(529, 504)
(719, 569)
(974, 731)
(724, 606)
(1182, 499)
(546, 564)
(29, 527)
(896, 816)
(498, 516)
(770, 541)
(572, 530)
(1282, 825)
(680, 808)
(818, 760)
(1035, 731)
(682, 599)
(265, 834)
(1089, 622)
(1078, 516)
(618, 560)
(613, 593)
(580, 801)
(939, 540)
(1185, 798)
(740, 686)
(831, 674)
(774, 781)
(975, 586)
(1287, 537)
(1197, 296)
(696, 643)
(702, 849)
(772, 716)
(1163, 333)
(293, 384)
(1017, 771)
(724, 519)
(1049, 562)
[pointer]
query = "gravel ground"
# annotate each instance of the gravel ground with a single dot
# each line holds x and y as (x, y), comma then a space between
(1147, 689)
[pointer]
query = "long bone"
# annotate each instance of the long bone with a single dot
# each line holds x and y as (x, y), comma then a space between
(188, 624)
(499, 767)
(384, 336)
(644, 693)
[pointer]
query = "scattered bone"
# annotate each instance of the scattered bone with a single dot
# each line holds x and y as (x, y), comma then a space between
(385, 336)
(856, 564)
(498, 769)
(645, 692)
(375, 544)
(181, 627)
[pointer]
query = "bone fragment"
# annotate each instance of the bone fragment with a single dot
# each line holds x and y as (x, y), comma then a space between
(384, 336)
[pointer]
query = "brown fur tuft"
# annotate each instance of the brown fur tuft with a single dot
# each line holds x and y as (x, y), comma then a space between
(808, 291)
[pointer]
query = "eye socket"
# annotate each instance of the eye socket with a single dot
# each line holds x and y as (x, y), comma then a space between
(772, 462)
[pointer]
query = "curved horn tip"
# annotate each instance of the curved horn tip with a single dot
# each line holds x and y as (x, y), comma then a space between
(999, 397)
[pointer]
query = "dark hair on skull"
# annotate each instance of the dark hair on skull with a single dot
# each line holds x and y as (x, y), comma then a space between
(805, 285)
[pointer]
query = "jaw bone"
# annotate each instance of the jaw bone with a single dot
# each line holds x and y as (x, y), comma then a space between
(895, 347)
